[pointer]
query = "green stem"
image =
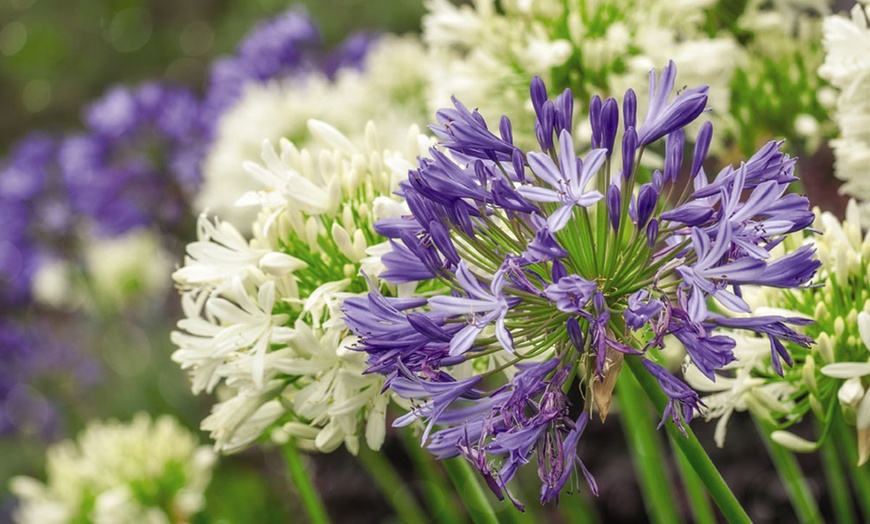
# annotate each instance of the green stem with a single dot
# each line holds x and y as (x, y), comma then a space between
(576, 508)
(391, 485)
(699, 502)
(441, 505)
(689, 445)
(302, 480)
(791, 476)
(860, 475)
(468, 487)
(646, 450)
(837, 486)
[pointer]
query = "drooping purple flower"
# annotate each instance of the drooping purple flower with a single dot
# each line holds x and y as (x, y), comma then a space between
(641, 308)
(774, 326)
(683, 401)
(664, 117)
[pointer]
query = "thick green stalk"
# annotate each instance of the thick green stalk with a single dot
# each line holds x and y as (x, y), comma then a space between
(441, 504)
(860, 475)
(392, 486)
(469, 489)
(310, 500)
(838, 488)
(697, 457)
(646, 450)
(699, 502)
(791, 476)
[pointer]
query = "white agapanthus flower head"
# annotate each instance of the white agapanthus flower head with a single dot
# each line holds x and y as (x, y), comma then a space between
(263, 324)
(847, 68)
(151, 471)
(388, 89)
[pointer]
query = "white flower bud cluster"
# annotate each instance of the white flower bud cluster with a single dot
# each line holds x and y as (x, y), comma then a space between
(144, 471)
(262, 322)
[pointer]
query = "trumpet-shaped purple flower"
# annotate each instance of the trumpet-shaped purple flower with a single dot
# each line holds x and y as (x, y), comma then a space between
(664, 117)
(569, 180)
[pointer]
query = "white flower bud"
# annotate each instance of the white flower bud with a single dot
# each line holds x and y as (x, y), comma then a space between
(851, 393)
(279, 264)
(864, 328)
(330, 136)
(826, 348)
(793, 442)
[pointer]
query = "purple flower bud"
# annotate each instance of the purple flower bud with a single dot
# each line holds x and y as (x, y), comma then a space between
(674, 155)
(647, 198)
(565, 111)
(519, 165)
(609, 124)
(538, 92)
(595, 120)
(504, 128)
(614, 205)
(441, 238)
(547, 118)
(558, 272)
(652, 232)
(629, 109)
(702, 145)
(575, 333)
(629, 148)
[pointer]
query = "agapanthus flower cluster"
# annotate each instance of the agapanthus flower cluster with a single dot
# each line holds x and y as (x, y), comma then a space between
(846, 67)
(831, 374)
(263, 325)
(485, 53)
(556, 268)
(138, 163)
(144, 471)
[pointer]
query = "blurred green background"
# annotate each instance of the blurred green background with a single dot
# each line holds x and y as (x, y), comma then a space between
(56, 55)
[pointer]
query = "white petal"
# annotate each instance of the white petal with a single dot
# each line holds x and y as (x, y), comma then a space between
(847, 369)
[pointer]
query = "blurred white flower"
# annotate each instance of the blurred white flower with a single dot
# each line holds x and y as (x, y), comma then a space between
(388, 89)
(145, 471)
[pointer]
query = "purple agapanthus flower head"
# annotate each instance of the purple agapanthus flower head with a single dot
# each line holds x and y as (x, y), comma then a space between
(544, 271)
(138, 162)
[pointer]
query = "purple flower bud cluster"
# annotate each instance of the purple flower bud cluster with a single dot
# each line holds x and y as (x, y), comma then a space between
(37, 215)
(285, 46)
(137, 164)
(544, 271)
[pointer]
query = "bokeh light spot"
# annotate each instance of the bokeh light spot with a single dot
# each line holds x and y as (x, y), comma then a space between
(36, 95)
(13, 36)
(10, 261)
(27, 409)
(21, 5)
(130, 29)
(126, 349)
(196, 39)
